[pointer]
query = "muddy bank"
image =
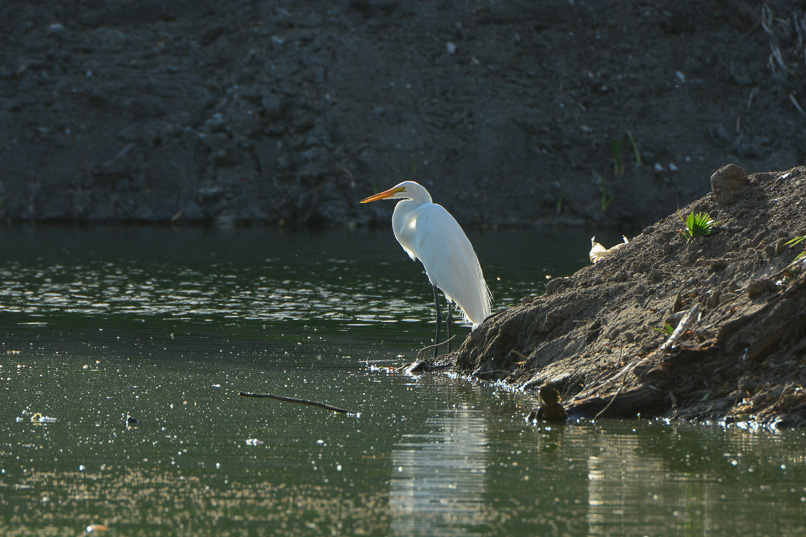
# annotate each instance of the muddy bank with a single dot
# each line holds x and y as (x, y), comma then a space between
(290, 112)
(598, 339)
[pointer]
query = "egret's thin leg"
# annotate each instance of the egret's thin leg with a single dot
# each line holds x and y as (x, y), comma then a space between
(439, 320)
(448, 322)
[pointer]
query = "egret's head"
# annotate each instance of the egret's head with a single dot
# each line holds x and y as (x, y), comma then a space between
(405, 190)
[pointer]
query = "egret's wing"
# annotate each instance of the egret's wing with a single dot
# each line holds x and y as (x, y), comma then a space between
(450, 261)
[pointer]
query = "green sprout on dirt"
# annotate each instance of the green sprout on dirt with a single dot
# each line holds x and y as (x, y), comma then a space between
(697, 225)
(635, 148)
(667, 329)
(794, 242)
(618, 164)
(606, 201)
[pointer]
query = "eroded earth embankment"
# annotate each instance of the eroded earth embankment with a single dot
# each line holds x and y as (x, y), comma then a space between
(596, 339)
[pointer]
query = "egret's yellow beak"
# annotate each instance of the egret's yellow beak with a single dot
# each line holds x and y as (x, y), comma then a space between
(385, 194)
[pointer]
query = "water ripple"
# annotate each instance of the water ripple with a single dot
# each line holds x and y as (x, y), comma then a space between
(109, 288)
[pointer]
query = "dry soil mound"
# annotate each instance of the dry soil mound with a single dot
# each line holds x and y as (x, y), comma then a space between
(741, 355)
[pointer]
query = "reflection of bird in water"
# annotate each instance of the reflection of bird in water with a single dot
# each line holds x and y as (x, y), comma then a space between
(428, 232)
(439, 477)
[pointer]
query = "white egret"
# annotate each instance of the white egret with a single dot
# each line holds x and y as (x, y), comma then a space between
(428, 232)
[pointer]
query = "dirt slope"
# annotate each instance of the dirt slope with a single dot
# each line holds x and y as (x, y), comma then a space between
(742, 353)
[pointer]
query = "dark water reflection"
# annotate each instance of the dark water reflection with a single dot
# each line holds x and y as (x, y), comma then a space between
(169, 325)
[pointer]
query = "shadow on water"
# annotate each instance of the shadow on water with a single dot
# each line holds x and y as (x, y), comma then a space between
(167, 326)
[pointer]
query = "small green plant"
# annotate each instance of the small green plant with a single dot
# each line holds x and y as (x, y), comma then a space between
(606, 201)
(559, 204)
(667, 329)
(635, 149)
(618, 164)
(794, 242)
(697, 225)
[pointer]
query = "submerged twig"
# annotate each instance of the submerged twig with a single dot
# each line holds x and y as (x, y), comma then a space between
(421, 351)
(623, 383)
(421, 364)
(298, 401)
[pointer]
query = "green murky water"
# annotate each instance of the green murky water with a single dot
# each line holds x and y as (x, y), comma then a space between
(167, 326)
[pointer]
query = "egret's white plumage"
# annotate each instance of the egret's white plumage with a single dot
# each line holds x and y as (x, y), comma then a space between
(428, 232)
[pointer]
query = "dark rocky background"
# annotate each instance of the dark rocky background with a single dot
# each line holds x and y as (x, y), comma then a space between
(290, 112)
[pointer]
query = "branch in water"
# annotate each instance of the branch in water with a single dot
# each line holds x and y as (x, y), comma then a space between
(424, 349)
(298, 401)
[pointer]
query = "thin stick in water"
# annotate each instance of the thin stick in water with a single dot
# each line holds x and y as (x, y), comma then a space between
(424, 349)
(298, 401)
